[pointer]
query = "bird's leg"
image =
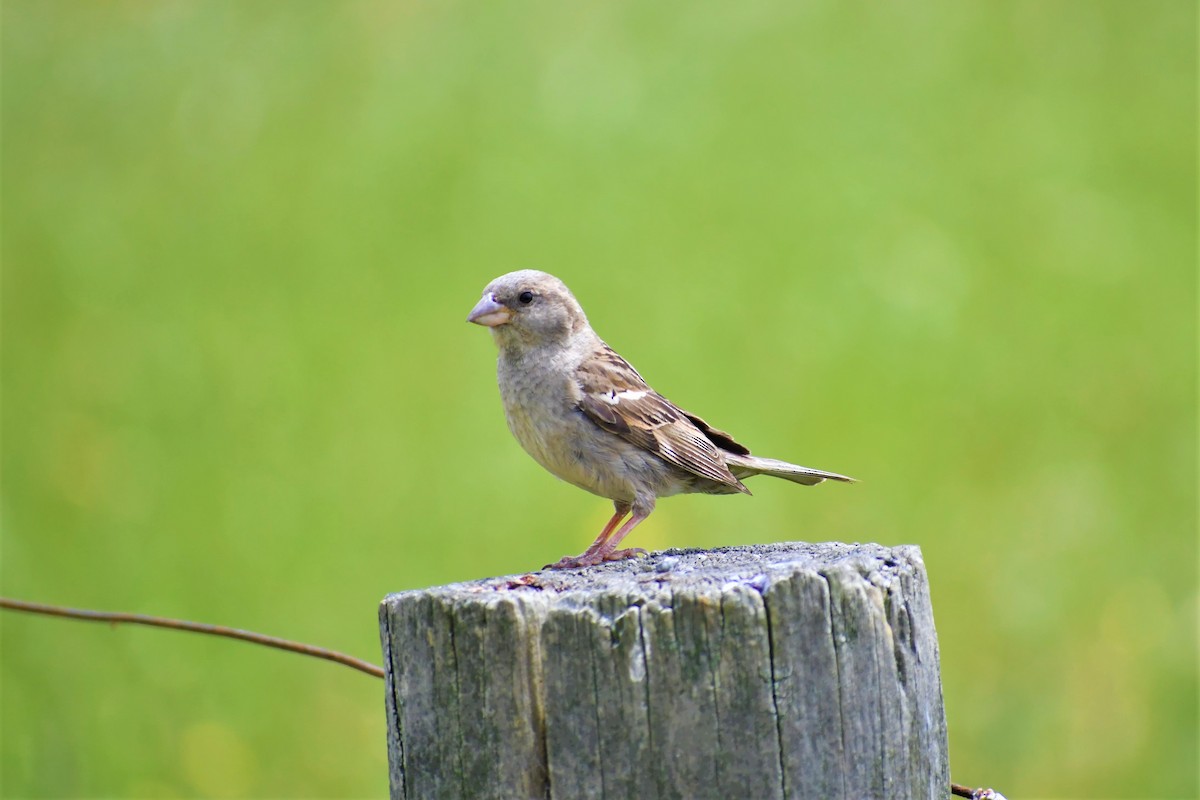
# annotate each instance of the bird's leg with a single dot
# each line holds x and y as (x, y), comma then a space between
(622, 511)
(608, 551)
(591, 557)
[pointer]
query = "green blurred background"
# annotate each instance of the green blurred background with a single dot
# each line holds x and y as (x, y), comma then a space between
(948, 248)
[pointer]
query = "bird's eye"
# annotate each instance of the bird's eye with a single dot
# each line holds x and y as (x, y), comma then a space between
(525, 297)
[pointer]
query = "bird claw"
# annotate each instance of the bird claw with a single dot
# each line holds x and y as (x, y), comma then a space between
(576, 562)
(591, 559)
(621, 555)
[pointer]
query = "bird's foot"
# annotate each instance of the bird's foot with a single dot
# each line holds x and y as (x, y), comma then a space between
(621, 555)
(591, 559)
(588, 559)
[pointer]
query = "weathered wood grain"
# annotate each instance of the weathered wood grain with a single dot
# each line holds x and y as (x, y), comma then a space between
(774, 671)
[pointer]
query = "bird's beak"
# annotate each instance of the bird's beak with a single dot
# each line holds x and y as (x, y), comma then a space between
(490, 313)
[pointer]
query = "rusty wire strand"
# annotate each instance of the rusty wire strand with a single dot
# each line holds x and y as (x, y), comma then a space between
(975, 794)
(194, 627)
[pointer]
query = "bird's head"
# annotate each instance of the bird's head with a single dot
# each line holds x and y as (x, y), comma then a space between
(528, 309)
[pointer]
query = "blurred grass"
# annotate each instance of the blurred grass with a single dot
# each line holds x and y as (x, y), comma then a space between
(947, 248)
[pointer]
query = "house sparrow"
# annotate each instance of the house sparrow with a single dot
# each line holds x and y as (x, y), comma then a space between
(589, 418)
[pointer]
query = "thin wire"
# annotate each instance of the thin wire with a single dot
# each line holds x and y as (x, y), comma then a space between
(194, 627)
(975, 794)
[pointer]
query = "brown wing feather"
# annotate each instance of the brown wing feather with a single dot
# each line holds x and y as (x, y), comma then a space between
(606, 371)
(617, 399)
(718, 437)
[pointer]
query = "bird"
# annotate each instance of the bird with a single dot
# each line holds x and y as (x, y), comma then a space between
(589, 418)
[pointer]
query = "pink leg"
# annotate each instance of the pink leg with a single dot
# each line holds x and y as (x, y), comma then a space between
(591, 556)
(609, 527)
(609, 552)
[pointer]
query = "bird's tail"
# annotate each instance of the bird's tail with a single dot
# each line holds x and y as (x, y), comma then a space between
(747, 466)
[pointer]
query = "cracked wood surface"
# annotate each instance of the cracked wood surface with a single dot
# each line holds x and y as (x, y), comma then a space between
(769, 671)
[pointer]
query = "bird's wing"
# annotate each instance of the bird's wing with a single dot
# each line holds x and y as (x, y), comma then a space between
(615, 397)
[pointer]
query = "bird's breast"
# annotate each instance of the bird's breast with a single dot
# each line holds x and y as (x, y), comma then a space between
(541, 406)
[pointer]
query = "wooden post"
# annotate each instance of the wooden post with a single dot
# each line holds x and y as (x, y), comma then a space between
(773, 671)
